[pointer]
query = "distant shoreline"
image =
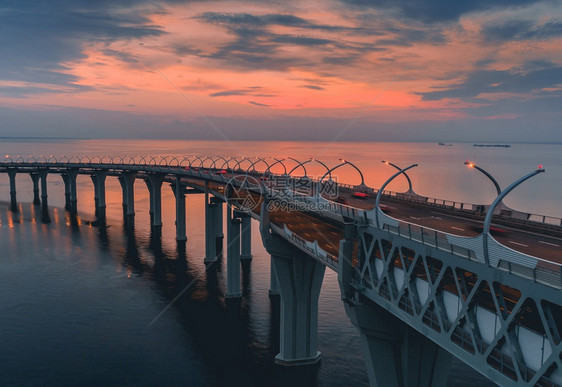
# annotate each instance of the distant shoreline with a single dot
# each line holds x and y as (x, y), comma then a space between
(493, 145)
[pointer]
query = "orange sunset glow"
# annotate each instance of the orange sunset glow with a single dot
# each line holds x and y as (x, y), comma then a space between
(154, 69)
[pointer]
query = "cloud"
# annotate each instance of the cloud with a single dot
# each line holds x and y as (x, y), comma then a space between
(258, 104)
(493, 81)
(37, 38)
(257, 45)
(312, 87)
(520, 30)
(248, 91)
(432, 11)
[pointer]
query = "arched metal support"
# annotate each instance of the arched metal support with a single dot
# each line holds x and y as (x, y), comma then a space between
(470, 164)
(381, 189)
(410, 189)
(239, 162)
(329, 172)
(495, 203)
(251, 167)
(357, 169)
(299, 164)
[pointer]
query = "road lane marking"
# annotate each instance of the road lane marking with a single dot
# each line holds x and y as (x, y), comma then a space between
(457, 228)
(518, 244)
(548, 243)
(436, 217)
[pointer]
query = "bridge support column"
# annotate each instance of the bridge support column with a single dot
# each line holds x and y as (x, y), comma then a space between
(13, 200)
(127, 180)
(273, 284)
(395, 353)
(179, 193)
(300, 279)
(154, 183)
(72, 174)
(213, 227)
(35, 179)
(233, 254)
(98, 178)
(219, 237)
(44, 204)
(246, 252)
(70, 194)
(67, 190)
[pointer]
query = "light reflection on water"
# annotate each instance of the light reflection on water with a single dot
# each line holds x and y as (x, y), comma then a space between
(76, 299)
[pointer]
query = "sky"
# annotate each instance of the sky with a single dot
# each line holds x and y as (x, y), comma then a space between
(347, 70)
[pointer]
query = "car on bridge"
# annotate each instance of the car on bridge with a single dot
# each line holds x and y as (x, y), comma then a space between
(361, 195)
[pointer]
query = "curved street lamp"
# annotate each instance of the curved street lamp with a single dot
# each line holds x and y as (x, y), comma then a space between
(381, 189)
(240, 162)
(277, 161)
(470, 164)
(299, 164)
(258, 159)
(410, 190)
(357, 169)
(490, 212)
(344, 162)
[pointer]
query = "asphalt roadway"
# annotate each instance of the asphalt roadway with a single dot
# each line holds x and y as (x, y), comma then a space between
(311, 227)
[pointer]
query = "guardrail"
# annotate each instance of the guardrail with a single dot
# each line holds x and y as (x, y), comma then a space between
(546, 272)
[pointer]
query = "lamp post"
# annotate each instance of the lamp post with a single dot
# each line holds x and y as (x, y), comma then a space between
(495, 203)
(410, 190)
(343, 162)
(470, 164)
(277, 161)
(381, 189)
(299, 164)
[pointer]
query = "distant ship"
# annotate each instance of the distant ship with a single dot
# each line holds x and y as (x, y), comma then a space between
(443, 144)
(493, 145)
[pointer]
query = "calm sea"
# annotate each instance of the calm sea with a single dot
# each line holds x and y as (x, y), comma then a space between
(77, 301)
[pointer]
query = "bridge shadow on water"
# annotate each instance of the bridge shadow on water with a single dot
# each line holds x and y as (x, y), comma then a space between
(221, 328)
(223, 334)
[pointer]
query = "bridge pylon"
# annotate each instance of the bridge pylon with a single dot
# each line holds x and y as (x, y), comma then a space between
(299, 279)
(13, 199)
(233, 223)
(127, 181)
(45, 218)
(213, 226)
(154, 184)
(179, 193)
(35, 179)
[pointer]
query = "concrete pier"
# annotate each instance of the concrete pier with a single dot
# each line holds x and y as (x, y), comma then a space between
(45, 218)
(154, 184)
(233, 223)
(35, 179)
(246, 243)
(179, 193)
(13, 200)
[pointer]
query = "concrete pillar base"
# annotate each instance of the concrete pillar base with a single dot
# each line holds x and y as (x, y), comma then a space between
(396, 355)
(298, 362)
(299, 278)
(232, 295)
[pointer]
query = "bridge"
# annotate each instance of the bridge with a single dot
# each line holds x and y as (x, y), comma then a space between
(420, 278)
